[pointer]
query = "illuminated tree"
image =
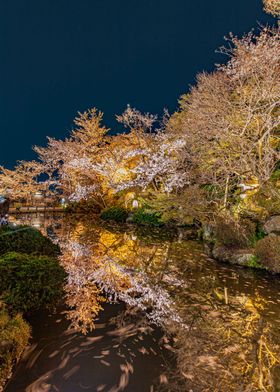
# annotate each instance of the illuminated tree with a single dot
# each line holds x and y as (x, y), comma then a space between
(22, 182)
(70, 163)
(230, 119)
(272, 7)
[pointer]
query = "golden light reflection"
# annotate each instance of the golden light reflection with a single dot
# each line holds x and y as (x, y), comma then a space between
(226, 330)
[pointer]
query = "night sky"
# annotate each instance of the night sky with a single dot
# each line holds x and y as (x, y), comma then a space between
(63, 56)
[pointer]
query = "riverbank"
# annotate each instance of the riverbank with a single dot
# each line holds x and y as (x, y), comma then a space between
(251, 245)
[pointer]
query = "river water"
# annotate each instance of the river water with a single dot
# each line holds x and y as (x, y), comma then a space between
(148, 311)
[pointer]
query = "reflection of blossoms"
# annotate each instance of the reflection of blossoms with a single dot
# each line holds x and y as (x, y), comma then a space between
(85, 304)
(151, 299)
(75, 262)
(77, 249)
(111, 278)
(139, 292)
(116, 282)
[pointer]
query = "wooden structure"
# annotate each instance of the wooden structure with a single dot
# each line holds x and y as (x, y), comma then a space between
(35, 209)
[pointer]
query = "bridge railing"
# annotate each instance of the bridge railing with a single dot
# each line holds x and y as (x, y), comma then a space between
(23, 209)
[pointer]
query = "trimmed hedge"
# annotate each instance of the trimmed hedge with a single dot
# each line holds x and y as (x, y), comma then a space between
(116, 214)
(30, 282)
(25, 239)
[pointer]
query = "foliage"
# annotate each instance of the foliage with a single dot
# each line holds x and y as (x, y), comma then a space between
(69, 164)
(272, 7)
(26, 239)
(254, 263)
(30, 282)
(14, 335)
(147, 217)
(267, 199)
(268, 252)
(22, 182)
(183, 207)
(115, 213)
(229, 120)
(84, 304)
(260, 232)
(235, 233)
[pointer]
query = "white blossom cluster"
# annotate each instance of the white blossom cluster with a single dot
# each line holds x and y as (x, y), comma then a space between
(106, 168)
(121, 284)
(82, 192)
(80, 163)
(161, 166)
(135, 153)
(142, 294)
(151, 299)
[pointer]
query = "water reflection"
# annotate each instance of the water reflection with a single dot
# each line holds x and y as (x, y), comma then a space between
(112, 358)
(224, 320)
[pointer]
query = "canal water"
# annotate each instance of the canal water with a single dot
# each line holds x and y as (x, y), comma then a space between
(148, 311)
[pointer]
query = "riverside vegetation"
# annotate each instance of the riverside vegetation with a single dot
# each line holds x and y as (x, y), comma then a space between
(213, 165)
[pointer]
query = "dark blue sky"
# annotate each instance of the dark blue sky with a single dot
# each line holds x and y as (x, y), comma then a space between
(61, 56)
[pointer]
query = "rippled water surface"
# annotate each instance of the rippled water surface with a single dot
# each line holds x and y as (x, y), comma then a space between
(172, 318)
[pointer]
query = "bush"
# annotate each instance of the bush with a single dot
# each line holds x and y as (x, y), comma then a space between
(268, 252)
(146, 217)
(254, 262)
(14, 335)
(235, 233)
(117, 214)
(260, 232)
(26, 239)
(30, 282)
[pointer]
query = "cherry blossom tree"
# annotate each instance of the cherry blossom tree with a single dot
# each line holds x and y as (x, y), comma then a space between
(69, 163)
(22, 182)
(272, 7)
(230, 119)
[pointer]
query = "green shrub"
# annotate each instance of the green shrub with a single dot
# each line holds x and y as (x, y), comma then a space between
(254, 263)
(235, 233)
(14, 335)
(25, 239)
(117, 214)
(146, 217)
(260, 233)
(30, 282)
(268, 252)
